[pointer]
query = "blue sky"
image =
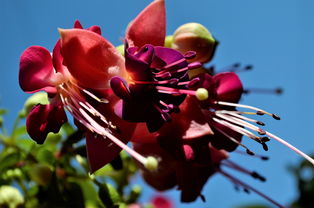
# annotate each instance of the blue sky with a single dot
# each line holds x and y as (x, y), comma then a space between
(277, 37)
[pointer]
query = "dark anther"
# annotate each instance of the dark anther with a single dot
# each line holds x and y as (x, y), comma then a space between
(276, 117)
(236, 65)
(265, 147)
(250, 152)
(246, 190)
(203, 198)
(265, 139)
(260, 123)
(248, 67)
(261, 132)
(279, 91)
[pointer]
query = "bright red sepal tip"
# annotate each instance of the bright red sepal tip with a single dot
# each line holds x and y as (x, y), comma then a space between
(149, 27)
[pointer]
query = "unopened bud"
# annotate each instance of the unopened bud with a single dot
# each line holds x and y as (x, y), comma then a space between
(168, 41)
(195, 37)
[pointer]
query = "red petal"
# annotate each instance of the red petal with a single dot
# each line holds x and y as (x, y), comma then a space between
(142, 135)
(36, 70)
(149, 27)
(229, 87)
(100, 151)
(90, 58)
(44, 119)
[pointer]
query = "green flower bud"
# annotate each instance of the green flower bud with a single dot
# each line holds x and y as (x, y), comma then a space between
(10, 197)
(37, 98)
(168, 41)
(195, 37)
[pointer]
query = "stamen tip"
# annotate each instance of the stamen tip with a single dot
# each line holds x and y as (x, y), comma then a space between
(201, 94)
(249, 152)
(151, 163)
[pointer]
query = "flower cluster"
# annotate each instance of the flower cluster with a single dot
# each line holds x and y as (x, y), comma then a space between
(179, 115)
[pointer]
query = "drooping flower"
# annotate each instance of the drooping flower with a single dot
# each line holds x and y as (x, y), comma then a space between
(76, 77)
(153, 71)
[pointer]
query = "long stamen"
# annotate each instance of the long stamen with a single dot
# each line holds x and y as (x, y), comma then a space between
(241, 117)
(237, 181)
(232, 165)
(241, 122)
(78, 107)
(248, 151)
(259, 111)
(308, 158)
(238, 129)
(262, 157)
(277, 91)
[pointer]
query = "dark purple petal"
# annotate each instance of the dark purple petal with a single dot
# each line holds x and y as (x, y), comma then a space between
(36, 70)
(120, 88)
(137, 64)
(44, 119)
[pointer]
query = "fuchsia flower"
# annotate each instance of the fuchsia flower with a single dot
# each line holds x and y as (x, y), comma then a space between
(208, 123)
(188, 124)
(79, 68)
(153, 71)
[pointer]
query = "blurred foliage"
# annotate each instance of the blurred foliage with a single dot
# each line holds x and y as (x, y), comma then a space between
(56, 174)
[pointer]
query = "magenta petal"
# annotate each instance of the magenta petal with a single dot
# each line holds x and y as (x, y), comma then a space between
(36, 70)
(44, 119)
(100, 151)
(149, 27)
(229, 87)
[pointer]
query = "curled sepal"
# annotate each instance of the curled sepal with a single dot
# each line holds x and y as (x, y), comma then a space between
(36, 70)
(90, 58)
(149, 27)
(44, 119)
(229, 87)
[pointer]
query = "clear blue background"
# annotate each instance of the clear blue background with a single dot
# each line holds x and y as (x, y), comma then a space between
(277, 37)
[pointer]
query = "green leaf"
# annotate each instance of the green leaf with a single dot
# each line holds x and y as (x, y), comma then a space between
(89, 192)
(2, 111)
(45, 156)
(25, 144)
(9, 160)
(109, 195)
